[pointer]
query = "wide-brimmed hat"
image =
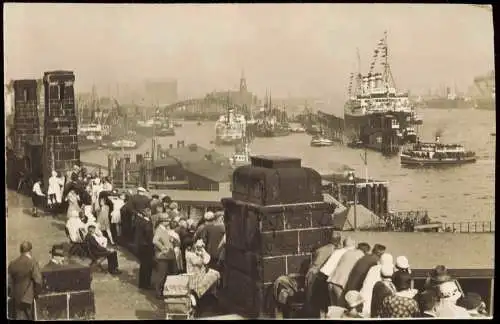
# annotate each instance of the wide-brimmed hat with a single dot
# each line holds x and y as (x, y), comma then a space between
(402, 262)
(141, 189)
(173, 205)
(57, 250)
(209, 216)
(353, 298)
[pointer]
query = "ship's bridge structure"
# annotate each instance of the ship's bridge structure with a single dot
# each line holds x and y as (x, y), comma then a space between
(214, 104)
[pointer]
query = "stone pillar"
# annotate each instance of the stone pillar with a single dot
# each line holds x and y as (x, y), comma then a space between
(267, 240)
(26, 120)
(60, 140)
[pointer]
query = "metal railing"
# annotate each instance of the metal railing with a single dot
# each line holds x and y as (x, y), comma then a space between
(470, 227)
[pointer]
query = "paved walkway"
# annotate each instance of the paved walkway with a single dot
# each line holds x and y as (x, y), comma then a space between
(116, 297)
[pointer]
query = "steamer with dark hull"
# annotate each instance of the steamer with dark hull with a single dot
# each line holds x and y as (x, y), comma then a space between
(376, 113)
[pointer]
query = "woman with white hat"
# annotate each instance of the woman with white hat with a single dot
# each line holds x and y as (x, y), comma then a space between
(354, 302)
(382, 289)
(449, 293)
(372, 277)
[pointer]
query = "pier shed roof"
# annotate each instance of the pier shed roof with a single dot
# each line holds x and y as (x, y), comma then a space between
(210, 170)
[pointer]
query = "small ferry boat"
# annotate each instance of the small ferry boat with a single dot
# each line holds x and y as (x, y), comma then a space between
(433, 154)
(123, 144)
(321, 141)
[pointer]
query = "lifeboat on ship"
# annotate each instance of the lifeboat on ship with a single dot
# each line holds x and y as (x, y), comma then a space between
(123, 144)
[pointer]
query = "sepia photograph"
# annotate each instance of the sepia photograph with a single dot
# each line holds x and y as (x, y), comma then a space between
(234, 161)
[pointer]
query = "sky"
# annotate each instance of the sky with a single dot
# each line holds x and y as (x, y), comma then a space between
(292, 49)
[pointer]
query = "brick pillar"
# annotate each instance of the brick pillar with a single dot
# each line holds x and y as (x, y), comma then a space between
(60, 130)
(267, 240)
(26, 122)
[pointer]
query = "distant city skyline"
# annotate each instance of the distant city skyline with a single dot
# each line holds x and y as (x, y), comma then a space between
(305, 50)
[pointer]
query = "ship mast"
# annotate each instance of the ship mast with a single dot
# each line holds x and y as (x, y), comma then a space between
(387, 76)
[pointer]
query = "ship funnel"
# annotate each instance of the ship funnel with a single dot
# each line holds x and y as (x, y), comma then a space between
(437, 139)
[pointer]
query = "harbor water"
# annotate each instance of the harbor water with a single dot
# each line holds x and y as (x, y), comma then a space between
(452, 194)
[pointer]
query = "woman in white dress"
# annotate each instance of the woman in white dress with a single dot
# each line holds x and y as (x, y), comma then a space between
(202, 279)
(73, 203)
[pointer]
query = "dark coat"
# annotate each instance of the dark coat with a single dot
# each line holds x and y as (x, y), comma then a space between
(359, 272)
(25, 279)
(212, 234)
(95, 248)
(139, 203)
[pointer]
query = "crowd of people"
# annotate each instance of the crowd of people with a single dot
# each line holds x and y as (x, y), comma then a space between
(350, 280)
(163, 237)
(345, 279)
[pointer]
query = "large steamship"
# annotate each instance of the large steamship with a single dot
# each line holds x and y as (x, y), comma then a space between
(376, 113)
(230, 128)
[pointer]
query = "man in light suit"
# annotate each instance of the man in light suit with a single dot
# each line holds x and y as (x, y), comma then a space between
(25, 282)
(316, 288)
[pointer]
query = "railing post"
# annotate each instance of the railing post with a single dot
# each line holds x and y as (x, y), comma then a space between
(468, 227)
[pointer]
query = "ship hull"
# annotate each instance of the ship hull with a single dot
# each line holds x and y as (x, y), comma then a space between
(228, 141)
(376, 134)
(272, 133)
(448, 104)
(421, 162)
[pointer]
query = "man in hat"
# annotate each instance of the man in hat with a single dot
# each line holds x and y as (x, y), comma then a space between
(362, 266)
(164, 253)
(25, 281)
(354, 305)
(57, 258)
(212, 234)
(474, 304)
(144, 242)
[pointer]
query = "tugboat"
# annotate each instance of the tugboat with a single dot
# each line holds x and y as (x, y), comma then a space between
(320, 141)
(376, 113)
(434, 154)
